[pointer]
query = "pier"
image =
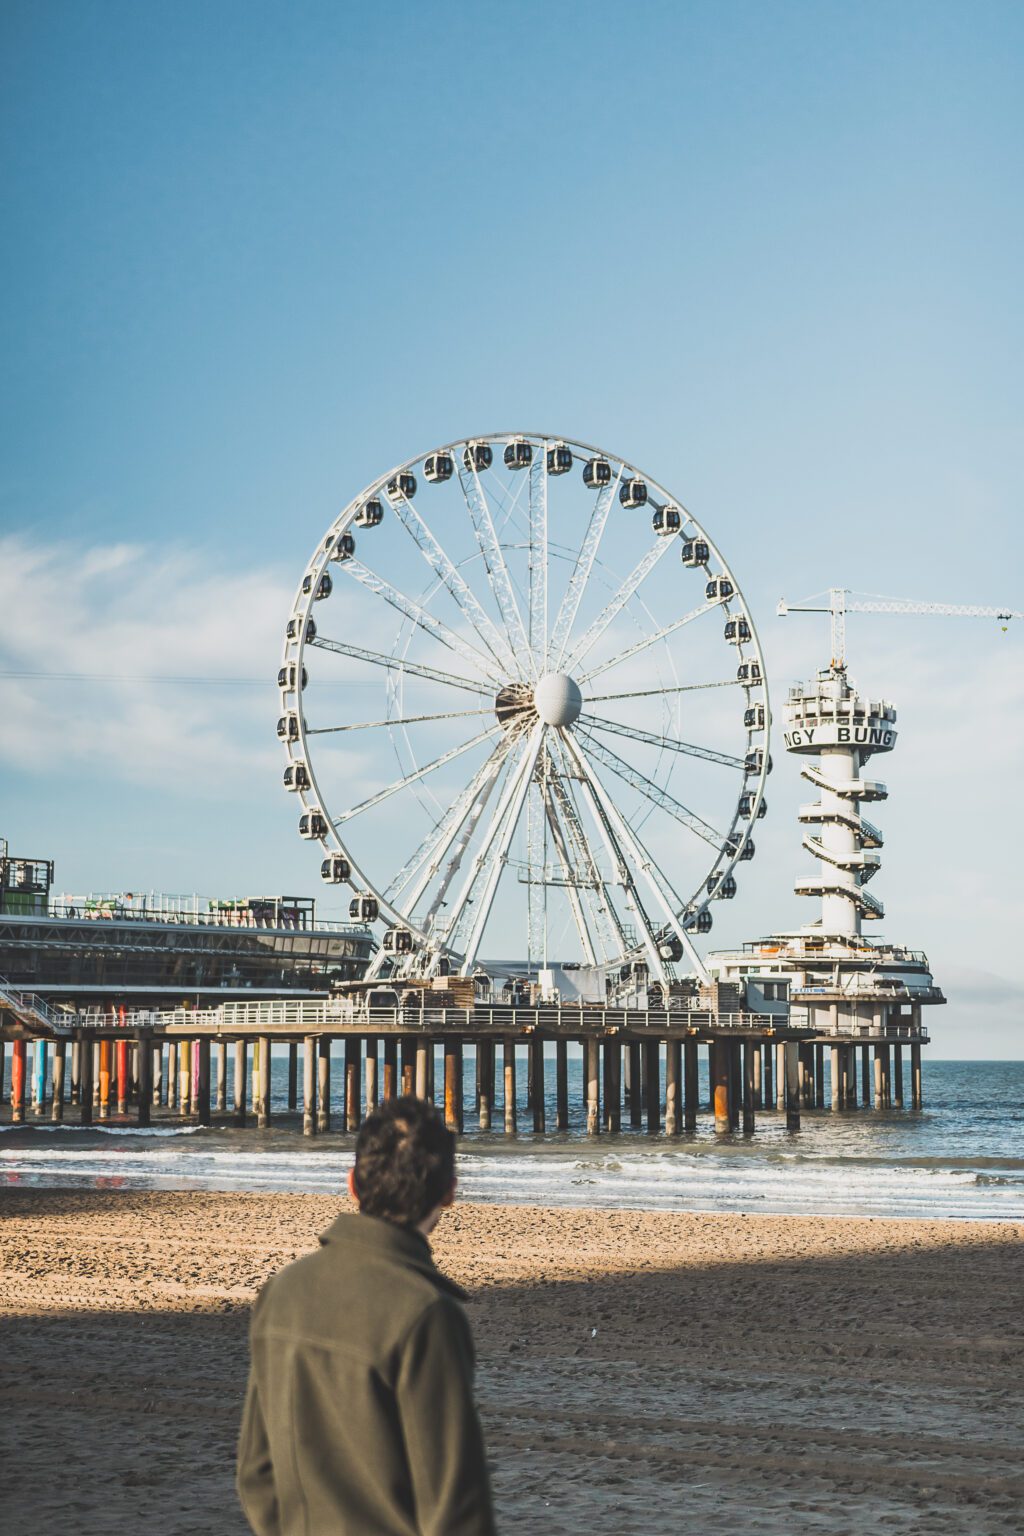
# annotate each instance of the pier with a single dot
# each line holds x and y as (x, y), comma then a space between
(640, 1066)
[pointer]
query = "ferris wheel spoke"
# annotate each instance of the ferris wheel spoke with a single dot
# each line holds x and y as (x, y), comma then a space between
(648, 693)
(635, 579)
(581, 572)
(538, 559)
(418, 773)
(657, 883)
(649, 640)
(376, 725)
(688, 749)
(470, 809)
(398, 664)
(616, 848)
(606, 918)
(445, 826)
(419, 615)
(493, 558)
(456, 584)
(653, 792)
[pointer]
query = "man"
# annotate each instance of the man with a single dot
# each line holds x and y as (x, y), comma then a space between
(359, 1418)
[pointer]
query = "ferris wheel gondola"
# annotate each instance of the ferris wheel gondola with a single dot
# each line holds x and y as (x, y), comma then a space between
(533, 697)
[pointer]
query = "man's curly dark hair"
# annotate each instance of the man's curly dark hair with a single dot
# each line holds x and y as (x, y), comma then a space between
(405, 1161)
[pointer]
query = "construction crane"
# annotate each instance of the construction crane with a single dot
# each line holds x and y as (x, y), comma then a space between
(840, 604)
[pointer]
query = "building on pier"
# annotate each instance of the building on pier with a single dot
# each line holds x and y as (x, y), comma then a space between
(131, 950)
(838, 983)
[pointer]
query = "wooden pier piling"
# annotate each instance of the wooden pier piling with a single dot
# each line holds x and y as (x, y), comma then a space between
(916, 1088)
(144, 1087)
(509, 1068)
(751, 1054)
(562, 1085)
(865, 1075)
(636, 1114)
(85, 1104)
(612, 1048)
(57, 1091)
(757, 1074)
(423, 1048)
(652, 1078)
(485, 1082)
(370, 1073)
(721, 1081)
(453, 1083)
(897, 1076)
(202, 1088)
(323, 1084)
(691, 1084)
(408, 1065)
(239, 1085)
(122, 1077)
(105, 1052)
(879, 1088)
(834, 1075)
(780, 1076)
(792, 1058)
(768, 1090)
(673, 1087)
(263, 1108)
(309, 1086)
(536, 1048)
(390, 1083)
(592, 1082)
(39, 1078)
(353, 1075)
(293, 1075)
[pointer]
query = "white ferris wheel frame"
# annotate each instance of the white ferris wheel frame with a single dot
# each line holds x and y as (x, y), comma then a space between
(501, 652)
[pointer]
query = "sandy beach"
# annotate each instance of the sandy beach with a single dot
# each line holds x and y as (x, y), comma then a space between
(637, 1371)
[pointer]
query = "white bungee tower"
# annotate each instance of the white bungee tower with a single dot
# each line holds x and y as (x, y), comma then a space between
(846, 990)
(830, 721)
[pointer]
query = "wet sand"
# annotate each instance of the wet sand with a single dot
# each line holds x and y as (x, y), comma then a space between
(646, 1372)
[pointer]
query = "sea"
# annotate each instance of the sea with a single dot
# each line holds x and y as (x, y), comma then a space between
(961, 1156)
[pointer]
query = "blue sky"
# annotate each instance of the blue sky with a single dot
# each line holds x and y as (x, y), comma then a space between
(262, 252)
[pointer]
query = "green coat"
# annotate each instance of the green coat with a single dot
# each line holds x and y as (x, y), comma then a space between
(359, 1419)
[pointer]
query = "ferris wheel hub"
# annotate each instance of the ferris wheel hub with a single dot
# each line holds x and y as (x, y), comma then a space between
(557, 699)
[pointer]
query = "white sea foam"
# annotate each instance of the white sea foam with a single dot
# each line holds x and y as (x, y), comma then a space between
(642, 1180)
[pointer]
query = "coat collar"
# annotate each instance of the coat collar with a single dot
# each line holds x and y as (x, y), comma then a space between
(404, 1245)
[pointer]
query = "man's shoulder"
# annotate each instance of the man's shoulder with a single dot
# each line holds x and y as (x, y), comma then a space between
(347, 1280)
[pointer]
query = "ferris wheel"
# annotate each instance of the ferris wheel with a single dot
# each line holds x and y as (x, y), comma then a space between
(525, 709)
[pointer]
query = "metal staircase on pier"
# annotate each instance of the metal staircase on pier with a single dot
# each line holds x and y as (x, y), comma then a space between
(32, 1012)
